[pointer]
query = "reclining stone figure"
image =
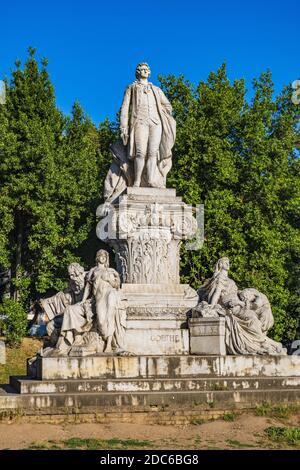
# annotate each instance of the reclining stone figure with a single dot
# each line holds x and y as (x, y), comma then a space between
(248, 315)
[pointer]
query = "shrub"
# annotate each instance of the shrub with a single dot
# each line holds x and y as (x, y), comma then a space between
(13, 321)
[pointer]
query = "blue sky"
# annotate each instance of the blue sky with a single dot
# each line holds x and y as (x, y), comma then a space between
(94, 46)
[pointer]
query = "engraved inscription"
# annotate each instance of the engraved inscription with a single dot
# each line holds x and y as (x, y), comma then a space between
(209, 330)
(166, 338)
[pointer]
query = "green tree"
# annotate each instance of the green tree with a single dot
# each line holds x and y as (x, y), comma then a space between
(50, 178)
(241, 161)
(238, 158)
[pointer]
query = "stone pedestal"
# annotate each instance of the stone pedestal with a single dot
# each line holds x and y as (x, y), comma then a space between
(207, 336)
(156, 317)
(145, 227)
(168, 367)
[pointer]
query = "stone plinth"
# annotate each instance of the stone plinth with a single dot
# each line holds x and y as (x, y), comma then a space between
(171, 367)
(139, 385)
(156, 317)
(207, 336)
(145, 228)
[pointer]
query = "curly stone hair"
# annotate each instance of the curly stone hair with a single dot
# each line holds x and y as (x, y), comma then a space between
(103, 252)
(75, 268)
(138, 69)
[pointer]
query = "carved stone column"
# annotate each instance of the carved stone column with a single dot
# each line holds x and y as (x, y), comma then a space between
(146, 228)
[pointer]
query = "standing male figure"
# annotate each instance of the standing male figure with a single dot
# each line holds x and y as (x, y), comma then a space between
(147, 129)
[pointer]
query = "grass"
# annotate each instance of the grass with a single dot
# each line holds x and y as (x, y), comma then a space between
(238, 444)
(16, 358)
(115, 443)
(276, 411)
(219, 387)
(286, 435)
(197, 421)
(91, 444)
(229, 416)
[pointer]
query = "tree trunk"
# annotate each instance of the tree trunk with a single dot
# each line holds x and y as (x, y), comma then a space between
(18, 256)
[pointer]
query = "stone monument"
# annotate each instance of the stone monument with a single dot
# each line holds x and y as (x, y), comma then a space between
(142, 308)
(135, 338)
(145, 223)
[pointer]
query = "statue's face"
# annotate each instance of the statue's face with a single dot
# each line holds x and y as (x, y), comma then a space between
(102, 258)
(225, 264)
(144, 71)
(76, 281)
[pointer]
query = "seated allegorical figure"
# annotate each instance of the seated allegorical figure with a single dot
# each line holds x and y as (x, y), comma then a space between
(97, 322)
(248, 314)
(49, 311)
(103, 287)
(219, 287)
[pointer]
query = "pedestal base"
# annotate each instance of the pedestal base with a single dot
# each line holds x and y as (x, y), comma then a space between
(207, 336)
(157, 318)
(168, 367)
(156, 337)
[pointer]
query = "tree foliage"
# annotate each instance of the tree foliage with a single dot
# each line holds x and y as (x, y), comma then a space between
(241, 161)
(49, 179)
(239, 158)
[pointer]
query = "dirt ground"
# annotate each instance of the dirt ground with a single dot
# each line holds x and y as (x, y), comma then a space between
(246, 431)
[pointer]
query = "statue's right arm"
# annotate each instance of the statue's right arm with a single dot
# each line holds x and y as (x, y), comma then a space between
(88, 286)
(124, 115)
(87, 291)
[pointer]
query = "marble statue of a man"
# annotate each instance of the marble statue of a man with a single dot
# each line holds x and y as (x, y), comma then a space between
(143, 156)
(148, 129)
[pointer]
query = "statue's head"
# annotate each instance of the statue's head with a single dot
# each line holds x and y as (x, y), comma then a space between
(222, 263)
(102, 257)
(77, 275)
(142, 70)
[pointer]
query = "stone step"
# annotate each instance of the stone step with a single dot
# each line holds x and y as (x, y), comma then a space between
(143, 401)
(25, 385)
(139, 367)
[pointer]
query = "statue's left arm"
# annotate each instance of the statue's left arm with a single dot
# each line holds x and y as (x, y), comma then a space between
(165, 102)
(116, 281)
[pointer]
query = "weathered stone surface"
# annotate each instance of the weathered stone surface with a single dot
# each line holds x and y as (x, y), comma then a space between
(2, 353)
(155, 299)
(207, 336)
(62, 404)
(24, 385)
(152, 194)
(50, 368)
(247, 313)
(141, 384)
(155, 338)
(145, 228)
(157, 318)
